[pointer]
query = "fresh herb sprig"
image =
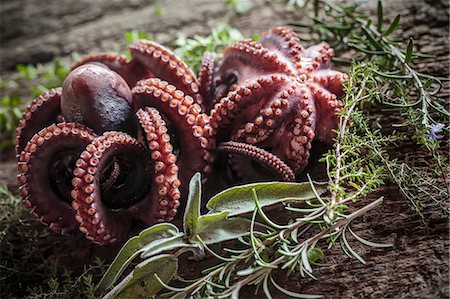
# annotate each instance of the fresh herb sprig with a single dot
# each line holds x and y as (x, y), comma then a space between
(191, 50)
(393, 64)
(395, 84)
(235, 214)
(11, 110)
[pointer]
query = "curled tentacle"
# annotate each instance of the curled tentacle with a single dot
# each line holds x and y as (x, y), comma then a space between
(42, 112)
(246, 60)
(331, 80)
(328, 106)
(244, 103)
(315, 58)
(129, 70)
(105, 215)
(165, 194)
(259, 155)
(205, 78)
(45, 172)
(191, 127)
(285, 42)
(165, 65)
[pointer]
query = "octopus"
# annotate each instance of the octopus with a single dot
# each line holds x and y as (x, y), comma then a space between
(270, 100)
(118, 143)
(113, 146)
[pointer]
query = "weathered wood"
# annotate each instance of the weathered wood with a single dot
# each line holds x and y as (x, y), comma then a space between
(416, 267)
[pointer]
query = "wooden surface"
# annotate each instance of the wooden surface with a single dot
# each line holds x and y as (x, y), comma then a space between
(416, 267)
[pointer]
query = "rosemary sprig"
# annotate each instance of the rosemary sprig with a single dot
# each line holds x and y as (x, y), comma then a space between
(395, 84)
(346, 26)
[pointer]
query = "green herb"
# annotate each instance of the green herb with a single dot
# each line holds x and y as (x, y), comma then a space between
(133, 36)
(45, 77)
(383, 65)
(264, 245)
(191, 50)
(28, 271)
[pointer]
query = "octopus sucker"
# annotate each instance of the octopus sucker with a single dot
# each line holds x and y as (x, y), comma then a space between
(45, 167)
(164, 64)
(42, 112)
(190, 133)
(259, 155)
(113, 205)
(166, 189)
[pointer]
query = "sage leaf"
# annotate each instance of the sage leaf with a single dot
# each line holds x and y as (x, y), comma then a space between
(131, 249)
(193, 204)
(224, 230)
(238, 200)
(205, 221)
(393, 26)
(165, 244)
(141, 283)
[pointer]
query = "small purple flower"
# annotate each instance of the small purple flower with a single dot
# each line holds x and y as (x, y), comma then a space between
(434, 131)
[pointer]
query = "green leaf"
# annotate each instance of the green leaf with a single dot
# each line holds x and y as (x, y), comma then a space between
(314, 254)
(372, 39)
(238, 200)
(192, 212)
(165, 244)
(380, 16)
(141, 282)
(409, 51)
(391, 76)
(131, 249)
(226, 229)
(205, 221)
(393, 26)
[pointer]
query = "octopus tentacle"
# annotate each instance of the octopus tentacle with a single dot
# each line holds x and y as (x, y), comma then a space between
(247, 60)
(244, 102)
(165, 65)
(191, 127)
(205, 78)
(259, 155)
(284, 41)
(45, 167)
(331, 80)
(301, 133)
(42, 112)
(164, 194)
(315, 58)
(104, 214)
(269, 118)
(328, 106)
(129, 70)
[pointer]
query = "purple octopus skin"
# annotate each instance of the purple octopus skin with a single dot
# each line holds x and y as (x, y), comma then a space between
(275, 95)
